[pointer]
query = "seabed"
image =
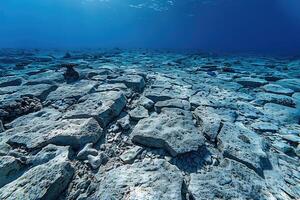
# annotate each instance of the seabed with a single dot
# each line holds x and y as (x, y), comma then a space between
(145, 124)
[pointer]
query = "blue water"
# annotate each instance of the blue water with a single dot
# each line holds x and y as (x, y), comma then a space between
(260, 26)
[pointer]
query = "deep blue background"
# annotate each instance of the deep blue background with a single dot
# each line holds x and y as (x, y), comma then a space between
(262, 26)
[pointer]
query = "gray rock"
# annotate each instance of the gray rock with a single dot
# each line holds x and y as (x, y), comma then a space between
(138, 113)
(278, 89)
(4, 148)
(97, 161)
(248, 110)
(251, 82)
(71, 91)
(70, 74)
(264, 127)
(147, 103)
(10, 81)
(171, 130)
(293, 84)
(1, 127)
(72, 132)
(13, 106)
(43, 116)
(104, 107)
(129, 155)
(244, 146)
(49, 77)
(85, 151)
(297, 150)
(48, 153)
(9, 167)
(263, 98)
(110, 87)
(135, 82)
(172, 103)
(291, 138)
(162, 94)
(209, 122)
(230, 180)
(124, 121)
(158, 94)
(44, 181)
(155, 179)
(282, 146)
(39, 91)
(281, 114)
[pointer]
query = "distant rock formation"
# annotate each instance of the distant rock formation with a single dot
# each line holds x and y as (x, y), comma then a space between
(70, 75)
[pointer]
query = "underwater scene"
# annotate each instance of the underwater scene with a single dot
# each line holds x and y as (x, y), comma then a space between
(150, 100)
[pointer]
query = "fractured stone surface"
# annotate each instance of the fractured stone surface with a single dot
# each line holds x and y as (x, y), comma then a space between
(172, 130)
(73, 132)
(154, 179)
(243, 145)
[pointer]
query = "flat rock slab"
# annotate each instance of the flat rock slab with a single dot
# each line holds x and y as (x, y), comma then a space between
(45, 181)
(72, 132)
(75, 90)
(281, 114)
(251, 82)
(263, 98)
(293, 84)
(244, 146)
(172, 103)
(39, 91)
(154, 179)
(103, 106)
(129, 155)
(172, 130)
(278, 89)
(135, 82)
(230, 180)
(138, 113)
(264, 127)
(9, 166)
(49, 77)
(161, 94)
(43, 116)
(10, 81)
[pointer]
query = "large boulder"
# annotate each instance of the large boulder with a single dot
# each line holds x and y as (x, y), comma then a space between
(243, 145)
(154, 179)
(45, 181)
(172, 130)
(103, 106)
(72, 132)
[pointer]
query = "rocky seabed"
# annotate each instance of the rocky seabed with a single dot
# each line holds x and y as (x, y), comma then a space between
(148, 125)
